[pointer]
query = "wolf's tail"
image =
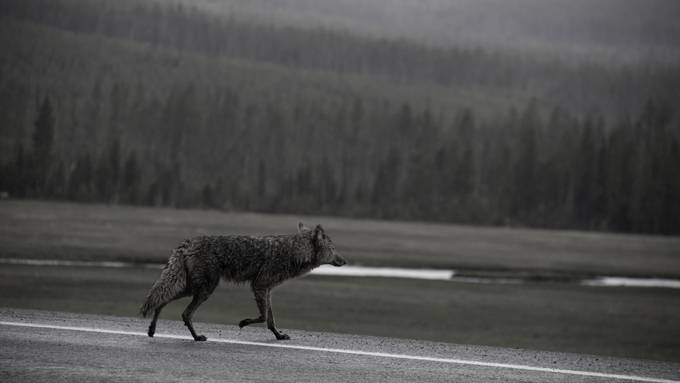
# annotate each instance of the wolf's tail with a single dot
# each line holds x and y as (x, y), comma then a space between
(172, 282)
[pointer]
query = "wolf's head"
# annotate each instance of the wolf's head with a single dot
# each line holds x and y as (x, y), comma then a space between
(325, 250)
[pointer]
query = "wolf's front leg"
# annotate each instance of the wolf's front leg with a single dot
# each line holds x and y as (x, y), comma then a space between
(271, 325)
(261, 300)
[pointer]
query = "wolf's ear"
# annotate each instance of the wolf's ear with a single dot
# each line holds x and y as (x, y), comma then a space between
(302, 228)
(318, 233)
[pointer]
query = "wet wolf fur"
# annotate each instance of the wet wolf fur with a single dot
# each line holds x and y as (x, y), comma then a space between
(197, 264)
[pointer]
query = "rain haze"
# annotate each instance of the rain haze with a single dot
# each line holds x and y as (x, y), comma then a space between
(425, 190)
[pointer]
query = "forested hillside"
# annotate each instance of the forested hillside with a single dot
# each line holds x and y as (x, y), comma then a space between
(626, 29)
(156, 103)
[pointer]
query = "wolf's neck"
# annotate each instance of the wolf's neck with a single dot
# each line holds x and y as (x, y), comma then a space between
(300, 256)
(305, 264)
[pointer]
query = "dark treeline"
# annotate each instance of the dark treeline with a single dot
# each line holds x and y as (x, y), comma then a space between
(166, 106)
(524, 169)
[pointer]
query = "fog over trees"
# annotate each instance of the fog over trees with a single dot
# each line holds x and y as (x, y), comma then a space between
(329, 107)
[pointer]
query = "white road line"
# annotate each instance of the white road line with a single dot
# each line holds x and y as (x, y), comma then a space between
(633, 378)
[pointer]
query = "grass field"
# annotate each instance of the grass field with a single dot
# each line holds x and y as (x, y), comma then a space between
(634, 322)
(76, 231)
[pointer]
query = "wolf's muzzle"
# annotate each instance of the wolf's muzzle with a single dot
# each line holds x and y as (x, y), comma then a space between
(338, 261)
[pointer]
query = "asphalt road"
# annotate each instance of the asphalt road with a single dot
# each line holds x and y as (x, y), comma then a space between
(53, 346)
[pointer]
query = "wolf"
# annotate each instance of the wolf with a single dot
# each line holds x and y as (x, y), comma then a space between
(197, 264)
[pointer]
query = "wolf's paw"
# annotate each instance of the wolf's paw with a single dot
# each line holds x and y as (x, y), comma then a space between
(200, 338)
(282, 337)
(244, 323)
(151, 332)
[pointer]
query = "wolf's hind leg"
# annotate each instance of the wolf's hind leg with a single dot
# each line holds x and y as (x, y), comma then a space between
(156, 313)
(152, 326)
(261, 300)
(271, 325)
(189, 313)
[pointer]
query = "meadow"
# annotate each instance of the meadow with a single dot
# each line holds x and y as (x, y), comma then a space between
(103, 232)
(630, 322)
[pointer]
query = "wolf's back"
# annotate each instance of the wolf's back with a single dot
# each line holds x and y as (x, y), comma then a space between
(171, 283)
